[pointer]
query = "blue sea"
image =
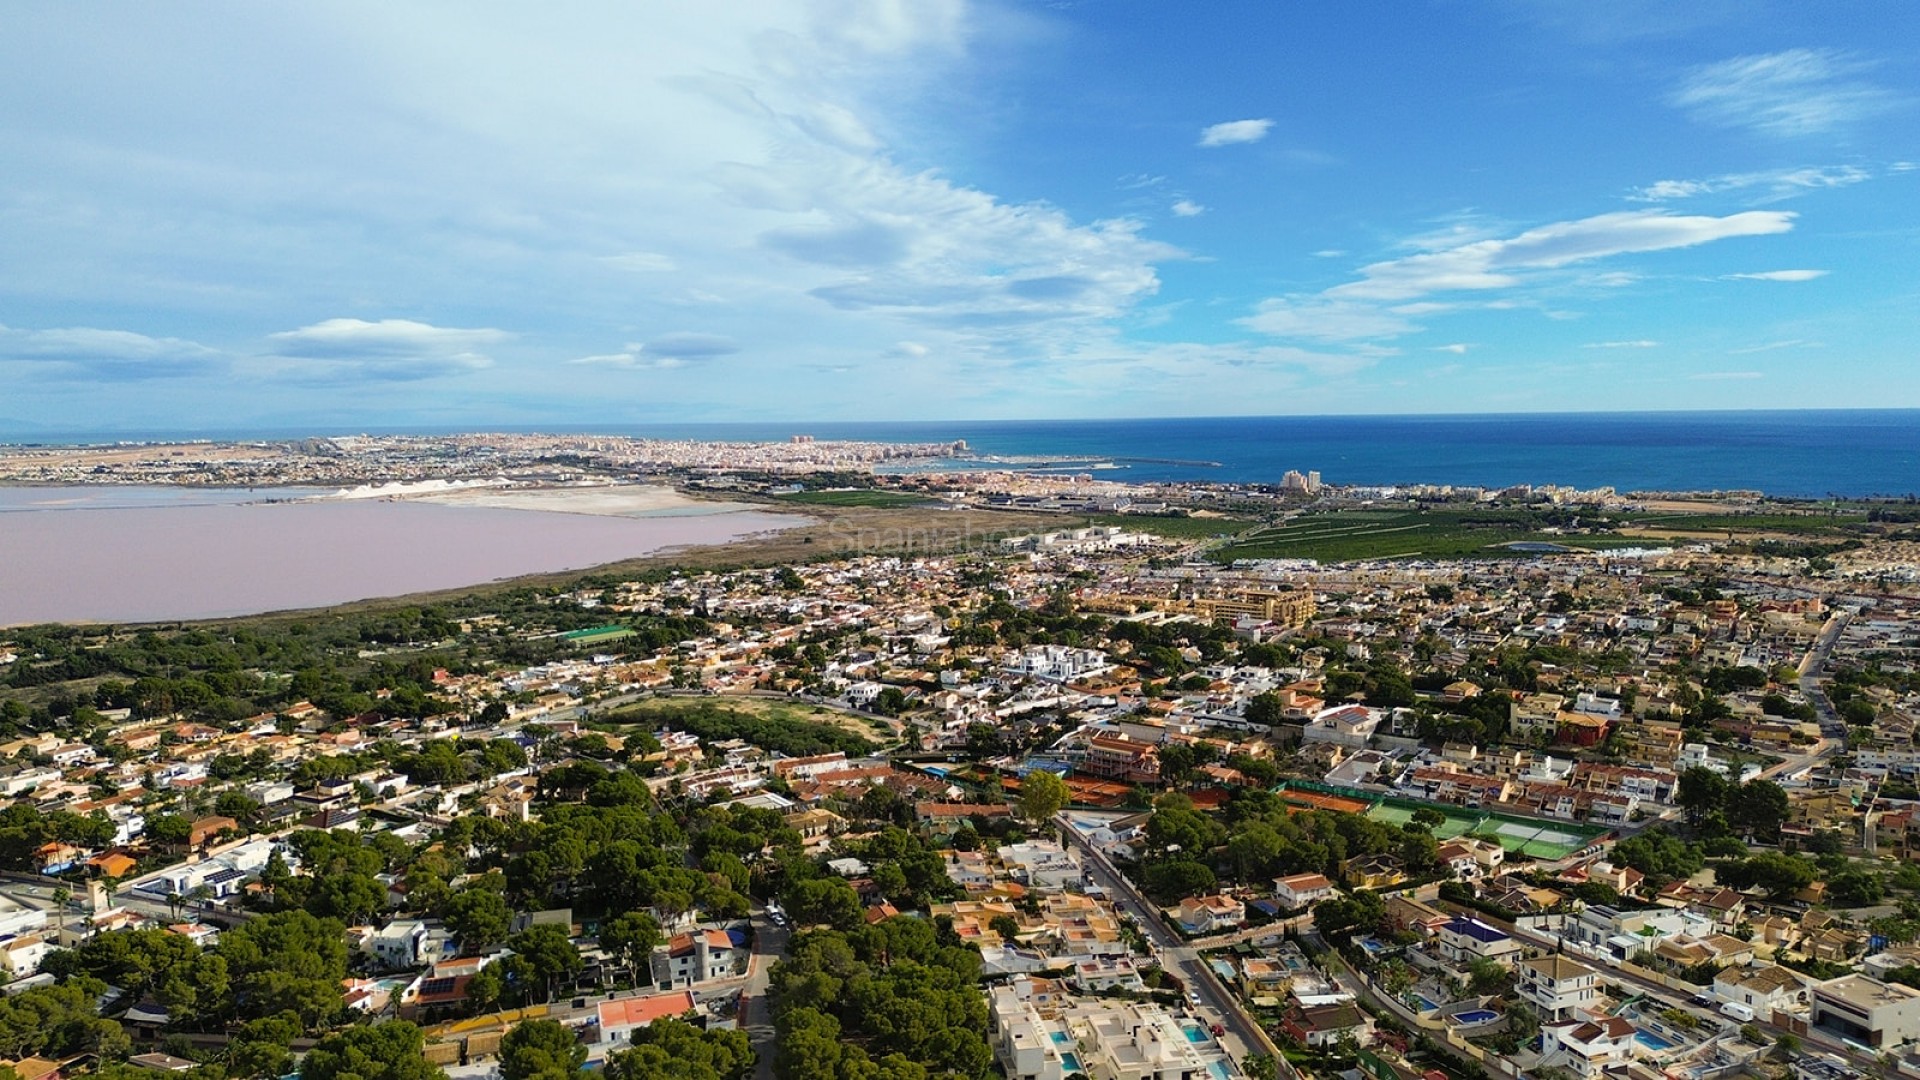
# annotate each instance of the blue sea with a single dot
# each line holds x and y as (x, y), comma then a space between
(1793, 453)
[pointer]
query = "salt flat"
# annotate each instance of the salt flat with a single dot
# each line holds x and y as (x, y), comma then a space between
(613, 500)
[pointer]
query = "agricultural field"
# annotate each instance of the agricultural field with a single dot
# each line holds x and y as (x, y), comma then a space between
(1175, 528)
(1799, 524)
(881, 500)
(1351, 535)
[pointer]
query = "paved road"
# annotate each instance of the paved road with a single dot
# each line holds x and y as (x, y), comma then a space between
(769, 944)
(1217, 1005)
(1810, 668)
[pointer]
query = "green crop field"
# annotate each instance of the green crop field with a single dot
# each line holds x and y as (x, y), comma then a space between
(1176, 528)
(1347, 535)
(881, 500)
(1736, 523)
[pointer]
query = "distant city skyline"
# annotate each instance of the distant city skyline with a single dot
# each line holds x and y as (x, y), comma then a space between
(471, 215)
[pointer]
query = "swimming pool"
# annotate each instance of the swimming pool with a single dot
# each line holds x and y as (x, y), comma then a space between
(1220, 1069)
(1475, 1016)
(1426, 1004)
(1195, 1033)
(1651, 1041)
(1061, 1038)
(1071, 1062)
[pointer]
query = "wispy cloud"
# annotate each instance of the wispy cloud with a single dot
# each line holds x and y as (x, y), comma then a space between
(1235, 131)
(1777, 275)
(640, 262)
(397, 350)
(1377, 305)
(1188, 208)
(1776, 183)
(1640, 343)
(664, 352)
(1773, 346)
(1458, 348)
(1792, 93)
(84, 352)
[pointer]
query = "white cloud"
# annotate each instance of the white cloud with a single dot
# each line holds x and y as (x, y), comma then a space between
(1323, 320)
(1235, 131)
(640, 262)
(1778, 275)
(1188, 208)
(1777, 183)
(1458, 348)
(83, 352)
(1375, 306)
(390, 349)
(1641, 343)
(1613, 279)
(631, 359)
(664, 352)
(1792, 93)
(1771, 346)
(908, 350)
(1493, 264)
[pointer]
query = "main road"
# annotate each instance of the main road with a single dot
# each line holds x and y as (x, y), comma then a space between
(1810, 668)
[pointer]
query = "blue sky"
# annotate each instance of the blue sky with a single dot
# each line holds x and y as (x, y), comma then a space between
(374, 214)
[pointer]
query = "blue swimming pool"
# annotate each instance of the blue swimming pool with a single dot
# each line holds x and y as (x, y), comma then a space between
(1195, 1033)
(1426, 1004)
(1061, 1038)
(1071, 1062)
(1651, 1041)
(1220, 1069)
(1475, 1016)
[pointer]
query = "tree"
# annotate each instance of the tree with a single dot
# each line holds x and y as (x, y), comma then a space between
(1786, 1046)
(1340, 917)
(479, 916)
(1701, 790)
(1488, 977)
(672, 1049)
(630, 939)
(541, 1050)
(1777, 872)
(391, 1050)
(170, 830)
(1006, 926)
(1042, 795)
(1174, 879)
(1855, 888)
(1268, 709)
(1758, 808)
(549, 955)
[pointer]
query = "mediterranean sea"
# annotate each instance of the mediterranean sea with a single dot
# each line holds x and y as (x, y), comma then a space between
(1791, 453)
